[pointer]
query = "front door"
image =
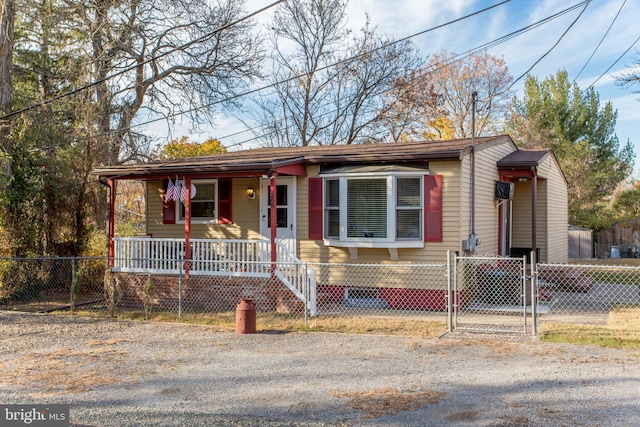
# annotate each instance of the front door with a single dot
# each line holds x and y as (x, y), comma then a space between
(285, 210)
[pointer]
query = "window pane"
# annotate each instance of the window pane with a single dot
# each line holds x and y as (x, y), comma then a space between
(281, 217)
(205, 191)
(202, 209)
(281, 195)
(333, 224)
(367, 208)
(408, 192)
(408, 224)
(332, 196)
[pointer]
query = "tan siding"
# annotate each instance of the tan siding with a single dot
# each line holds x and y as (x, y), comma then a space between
(245, 215)
(521, 223)
(551, 224)
(542, 220)
(522, 215)
(456, 215)
(487, 211)
(557, 214)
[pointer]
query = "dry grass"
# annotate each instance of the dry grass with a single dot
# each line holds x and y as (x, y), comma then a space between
(265, 322)
(367, 325)
(622, 330)
(388, 401)
(65, 370)
(632, 262)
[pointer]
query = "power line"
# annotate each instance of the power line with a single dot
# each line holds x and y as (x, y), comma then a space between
(601, 40)
(611, 66)
(586, 3)
(447, 62)
(259, 89)
(456, 58)
(133, 67)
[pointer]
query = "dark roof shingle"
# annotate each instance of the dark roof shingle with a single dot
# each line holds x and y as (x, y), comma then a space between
(266, 159)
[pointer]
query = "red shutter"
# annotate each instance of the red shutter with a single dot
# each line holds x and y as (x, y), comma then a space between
(315, 209)
(168, 208)
(433, 208)
(224, 201)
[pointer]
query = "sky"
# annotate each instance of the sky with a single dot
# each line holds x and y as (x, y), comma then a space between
(404, 18)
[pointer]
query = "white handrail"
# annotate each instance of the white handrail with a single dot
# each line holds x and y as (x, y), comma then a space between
(300, 279)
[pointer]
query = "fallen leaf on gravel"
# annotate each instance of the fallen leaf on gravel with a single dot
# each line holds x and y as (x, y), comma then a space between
(387, 401)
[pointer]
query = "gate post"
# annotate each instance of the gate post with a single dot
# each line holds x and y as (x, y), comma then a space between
(179, 289)
(449, 294)
(534, 294)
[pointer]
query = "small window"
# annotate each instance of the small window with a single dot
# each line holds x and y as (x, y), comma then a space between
(409, 208)
(203, 203)
(332, 208)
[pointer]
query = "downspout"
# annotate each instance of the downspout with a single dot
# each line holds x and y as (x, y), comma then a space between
(534, 208)
(473, 240)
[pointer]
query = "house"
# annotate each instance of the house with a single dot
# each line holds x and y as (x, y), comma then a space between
(245, 211)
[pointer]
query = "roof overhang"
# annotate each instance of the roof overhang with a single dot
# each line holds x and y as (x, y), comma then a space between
(294, 160)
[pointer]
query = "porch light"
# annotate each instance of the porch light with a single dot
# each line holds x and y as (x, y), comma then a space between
(251, 193)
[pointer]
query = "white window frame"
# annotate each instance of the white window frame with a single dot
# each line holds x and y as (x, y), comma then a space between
(200, 220)
(391, 241)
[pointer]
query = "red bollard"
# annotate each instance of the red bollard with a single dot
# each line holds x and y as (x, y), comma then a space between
(246, 316)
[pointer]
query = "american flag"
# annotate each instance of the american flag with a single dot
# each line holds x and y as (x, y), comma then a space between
(183, 191)
(169, 194)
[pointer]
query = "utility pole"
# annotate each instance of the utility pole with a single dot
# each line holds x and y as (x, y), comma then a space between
(473, 239)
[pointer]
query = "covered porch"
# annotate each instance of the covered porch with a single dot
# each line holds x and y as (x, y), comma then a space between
(228, 221)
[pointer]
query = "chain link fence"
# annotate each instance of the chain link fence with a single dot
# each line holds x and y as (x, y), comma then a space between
(49, 284)
(381, 290)
(586, 293)
(481, 289)
(493, 294)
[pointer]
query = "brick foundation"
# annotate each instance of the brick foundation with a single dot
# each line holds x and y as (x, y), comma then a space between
(410, 299)
(208, 293)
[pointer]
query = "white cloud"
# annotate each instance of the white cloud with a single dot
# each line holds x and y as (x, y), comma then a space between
(402, 18)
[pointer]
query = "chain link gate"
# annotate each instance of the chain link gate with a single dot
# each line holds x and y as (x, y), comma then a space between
(492, 294)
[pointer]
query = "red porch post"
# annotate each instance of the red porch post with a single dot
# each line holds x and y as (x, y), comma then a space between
(273, 220)
(112, 219)
(187, 225)
(534, 209)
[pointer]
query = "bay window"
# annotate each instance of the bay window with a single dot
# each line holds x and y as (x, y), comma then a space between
(374, 209)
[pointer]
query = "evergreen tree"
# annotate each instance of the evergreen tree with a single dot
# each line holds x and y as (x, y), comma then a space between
(556, 114)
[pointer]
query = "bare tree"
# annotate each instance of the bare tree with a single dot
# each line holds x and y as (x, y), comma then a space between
(7, 17)
(329, 81)
(456, 77)
(410, 107)
(169, 57)
(631, 77)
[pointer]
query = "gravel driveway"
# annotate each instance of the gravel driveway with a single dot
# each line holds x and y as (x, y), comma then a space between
(120, 373)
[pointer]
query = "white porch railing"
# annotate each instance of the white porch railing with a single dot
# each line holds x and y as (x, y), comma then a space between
(211, 257)
(217, 257)
(300, 279)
